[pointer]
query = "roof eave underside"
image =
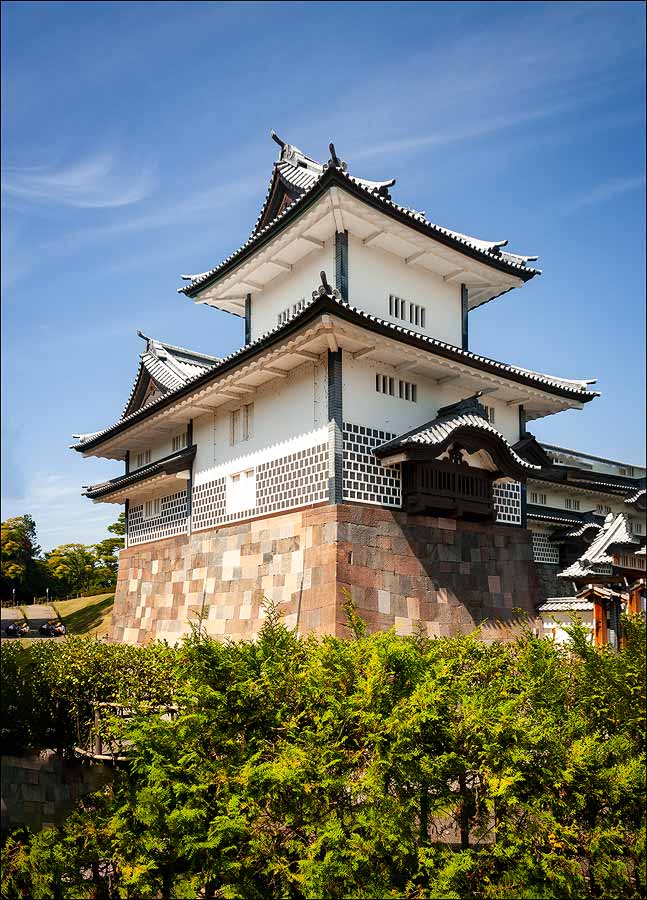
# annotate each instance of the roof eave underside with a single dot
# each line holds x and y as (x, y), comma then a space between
(337, 322)
(516, 274)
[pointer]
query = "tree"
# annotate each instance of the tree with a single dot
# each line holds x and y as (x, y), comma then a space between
(106, 562)
(119, 527)
(19, 552)
(72, 566)
(374, 767)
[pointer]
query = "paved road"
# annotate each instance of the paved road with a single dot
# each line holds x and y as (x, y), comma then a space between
(36, 615)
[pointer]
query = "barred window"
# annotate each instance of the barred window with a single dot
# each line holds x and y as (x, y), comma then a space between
(407, 311)
(152, 508)
(180, 441)
(241, 424)
(143, 458)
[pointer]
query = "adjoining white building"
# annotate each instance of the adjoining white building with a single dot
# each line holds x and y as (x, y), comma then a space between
(353, 441)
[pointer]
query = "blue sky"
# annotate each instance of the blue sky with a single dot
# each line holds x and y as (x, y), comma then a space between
(136, 147)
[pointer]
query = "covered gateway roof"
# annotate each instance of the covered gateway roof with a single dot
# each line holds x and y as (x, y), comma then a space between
(565, 604)
(298, 179)
(327, 302)
(463, 423)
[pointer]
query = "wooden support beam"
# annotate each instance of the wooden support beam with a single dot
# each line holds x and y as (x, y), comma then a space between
(287, 267)
(371, 237)
(315, 357)
(336, 211)
(363, 352)
(254, 284)
(312, 240)
(280, 372)
(517, 401)
(407, 366)
(453, 276)
(446, 379)
(414, 256)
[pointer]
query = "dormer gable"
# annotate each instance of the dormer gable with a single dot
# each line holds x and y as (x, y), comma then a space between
(163, 368)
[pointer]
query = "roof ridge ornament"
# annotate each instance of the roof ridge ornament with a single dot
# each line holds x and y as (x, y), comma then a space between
(325, 289)
(335, 162)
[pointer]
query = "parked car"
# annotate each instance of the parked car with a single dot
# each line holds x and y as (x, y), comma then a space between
(53, 628)
(17, 629)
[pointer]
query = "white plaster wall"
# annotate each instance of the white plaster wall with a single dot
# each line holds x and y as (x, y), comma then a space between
(554, 624)
(283, 410)
(588, 501)
(373, 274)
(289, 288)
(159, 449)
(363, 405)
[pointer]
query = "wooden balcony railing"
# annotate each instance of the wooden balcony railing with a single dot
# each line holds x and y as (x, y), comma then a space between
(447, 488)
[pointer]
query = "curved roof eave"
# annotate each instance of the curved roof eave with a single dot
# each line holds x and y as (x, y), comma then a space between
(334, 176)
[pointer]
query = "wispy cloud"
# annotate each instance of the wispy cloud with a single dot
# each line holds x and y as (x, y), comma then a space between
(608, 190)
(97, 181)
(61, 514)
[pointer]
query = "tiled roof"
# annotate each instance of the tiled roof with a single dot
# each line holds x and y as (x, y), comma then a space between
(637, 498)
(168, 465)
(552, 515)
(465, 416)
(326, 303)
(614, 532)
(316, 176)
(169, 366)
(565, 604)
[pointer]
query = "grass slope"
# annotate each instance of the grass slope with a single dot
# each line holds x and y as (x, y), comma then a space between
(87, 615)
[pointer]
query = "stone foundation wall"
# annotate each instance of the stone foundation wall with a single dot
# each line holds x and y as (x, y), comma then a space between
(549, 584)
(41, 790)
(400, 570)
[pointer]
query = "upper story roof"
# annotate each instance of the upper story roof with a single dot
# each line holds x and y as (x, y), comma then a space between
(601, 464)
(298, 182)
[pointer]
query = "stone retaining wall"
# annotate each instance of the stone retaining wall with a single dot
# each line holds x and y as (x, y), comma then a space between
(401, 569)
(40, 790)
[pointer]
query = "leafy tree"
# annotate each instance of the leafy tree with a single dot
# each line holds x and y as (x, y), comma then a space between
(18, 552)
(119, 527)
(72, 566)
(106, 563)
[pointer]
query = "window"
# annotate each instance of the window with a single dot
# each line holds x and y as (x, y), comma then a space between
(637, 527)
(241, 491)
(180, 441)
(407, 311)
(602, 510)
(491, 414)
(627, 470)
(152, 508)
(143, 458)
(285, 314)
(538, 499)
(570, 503)
(384, 384)
(405, 390)
(241, 424)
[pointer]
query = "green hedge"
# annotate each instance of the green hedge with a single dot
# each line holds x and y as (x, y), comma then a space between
(326, 768)
(47, 687)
